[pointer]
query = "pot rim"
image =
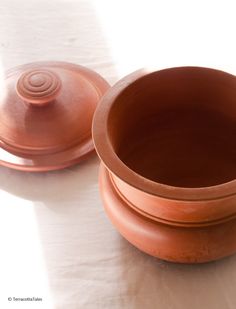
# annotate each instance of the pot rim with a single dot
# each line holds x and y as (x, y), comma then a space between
(117, 167)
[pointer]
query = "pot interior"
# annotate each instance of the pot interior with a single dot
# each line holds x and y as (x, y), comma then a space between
(178, 127)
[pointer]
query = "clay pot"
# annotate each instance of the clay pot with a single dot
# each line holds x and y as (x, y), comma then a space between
(168, 175)
(46, 111)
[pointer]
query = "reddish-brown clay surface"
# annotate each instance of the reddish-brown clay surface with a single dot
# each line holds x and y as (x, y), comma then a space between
(46, 112)
(172, 243)
(167, 139)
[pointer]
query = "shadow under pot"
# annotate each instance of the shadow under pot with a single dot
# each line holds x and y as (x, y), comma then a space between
(166, 140)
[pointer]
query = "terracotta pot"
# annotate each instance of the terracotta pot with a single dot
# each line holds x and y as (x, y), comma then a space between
(168, 176)
(46, 111)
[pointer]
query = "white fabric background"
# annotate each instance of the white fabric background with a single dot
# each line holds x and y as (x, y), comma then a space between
(56, 241)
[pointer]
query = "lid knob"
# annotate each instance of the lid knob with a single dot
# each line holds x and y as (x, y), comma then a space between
(38, 86)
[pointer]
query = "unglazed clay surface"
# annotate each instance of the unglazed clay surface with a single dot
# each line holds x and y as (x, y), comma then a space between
(169, 154)
(177, 127)
(162, 239)
(46, 115)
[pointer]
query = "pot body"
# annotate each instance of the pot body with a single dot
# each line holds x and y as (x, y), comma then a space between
(167, 179)
(162, 239)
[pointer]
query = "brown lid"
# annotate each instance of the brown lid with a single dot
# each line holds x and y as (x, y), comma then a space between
(46, 112)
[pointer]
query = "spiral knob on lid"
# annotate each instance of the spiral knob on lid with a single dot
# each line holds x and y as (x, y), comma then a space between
(38, 87)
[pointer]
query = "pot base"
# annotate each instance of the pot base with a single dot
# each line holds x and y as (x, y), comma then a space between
(171, 243)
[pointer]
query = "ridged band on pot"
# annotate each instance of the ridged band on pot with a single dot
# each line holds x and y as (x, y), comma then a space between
(168, 205)
(179, 244)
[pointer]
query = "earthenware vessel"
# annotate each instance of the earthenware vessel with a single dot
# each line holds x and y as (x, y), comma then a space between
(167, 142)
(46, 111)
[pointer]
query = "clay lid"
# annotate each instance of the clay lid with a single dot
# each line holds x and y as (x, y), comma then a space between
(46, 111)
